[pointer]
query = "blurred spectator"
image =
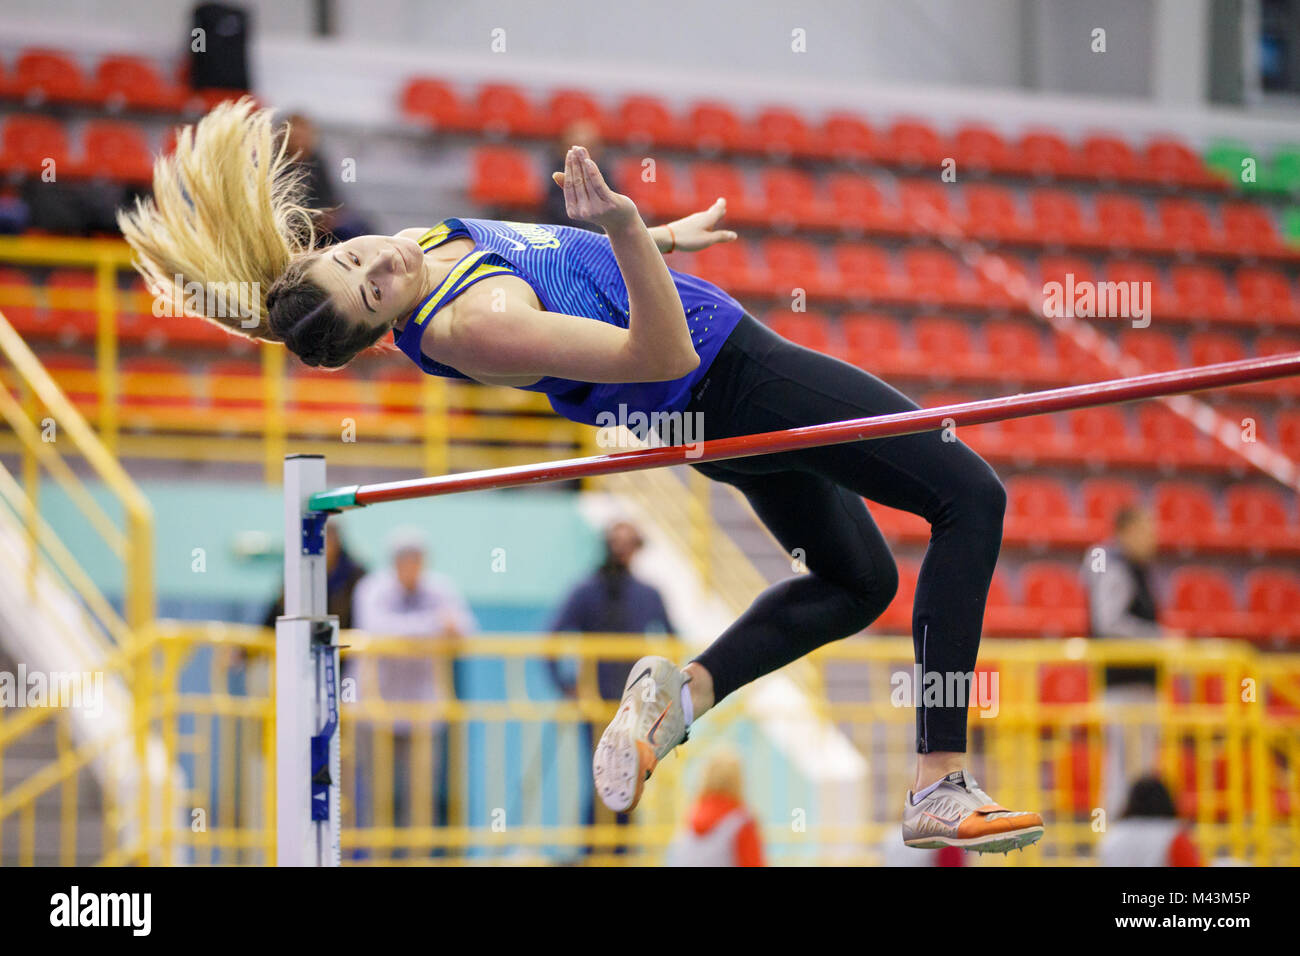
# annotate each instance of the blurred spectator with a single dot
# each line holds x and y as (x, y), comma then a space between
(610, 601)
(1149, 832)
(1121, 604)
(342, 572)
(720, 831)
(578, 133)
(407, 600)
(304, 142)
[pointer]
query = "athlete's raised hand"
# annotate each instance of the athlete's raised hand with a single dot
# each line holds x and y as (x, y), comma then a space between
(697, 231)
(588, 198)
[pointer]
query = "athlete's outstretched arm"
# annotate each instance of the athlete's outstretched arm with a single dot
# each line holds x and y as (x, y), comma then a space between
(656, 321)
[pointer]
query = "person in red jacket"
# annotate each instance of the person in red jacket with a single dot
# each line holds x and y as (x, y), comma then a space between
(720, 830)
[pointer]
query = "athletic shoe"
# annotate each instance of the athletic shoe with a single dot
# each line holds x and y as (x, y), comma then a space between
(958, 813)
(650, 722)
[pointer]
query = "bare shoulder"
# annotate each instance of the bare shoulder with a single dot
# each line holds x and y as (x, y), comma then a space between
(488, 297)
(414, 232)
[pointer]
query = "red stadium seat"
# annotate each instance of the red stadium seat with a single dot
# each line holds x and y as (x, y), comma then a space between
(18, 293)
(1158, 351)
(1108, 158)
(1273, 598)
(1185, 226)
(947, 347)
(981, 149)
(875, 342)
(797, 263)
(1278, 345)
(436, 104)
(117, 151)
(29, 143)
(730, 265)
(48, 75)
(1156, 299)
(1261, 519)
(642, 119)
(846, 136)
(1014, 349)
(993, 213)
(504, 110)
(1248, 228)
(1057, 218)
(710, 180)
(1203, 603)
(1172, 440)
(1106, 435)
(1045, 155)
(1104, 497)
(1171, 161)
(791, 199)
(156, 384)
(1039, 511)
(135, 82)
(937, 277)
(715, 127)
(923, 206)
(1122, 220)
(662, 197)
(1054, 592)
(857, 204)
(1187, 515)
(1209, 348)
(1201, 292)
(780, 131)
(1267, 297)
(913, 142)
(565, 106)
(809, 329)
(503, 176)
(1002, 281)
(1288, 433)
(866, 272)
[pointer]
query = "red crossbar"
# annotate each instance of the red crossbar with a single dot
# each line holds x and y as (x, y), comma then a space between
(882, 426)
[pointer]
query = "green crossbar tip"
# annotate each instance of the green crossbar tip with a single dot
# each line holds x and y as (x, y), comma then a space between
(336, 499)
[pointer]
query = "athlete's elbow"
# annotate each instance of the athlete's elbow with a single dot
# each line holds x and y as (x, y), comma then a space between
(672, 367)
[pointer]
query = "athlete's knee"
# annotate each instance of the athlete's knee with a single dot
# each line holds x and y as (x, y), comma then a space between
(981, 498)
(875, 591)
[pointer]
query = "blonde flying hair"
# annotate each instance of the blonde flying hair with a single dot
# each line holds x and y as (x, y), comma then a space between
(227, 207)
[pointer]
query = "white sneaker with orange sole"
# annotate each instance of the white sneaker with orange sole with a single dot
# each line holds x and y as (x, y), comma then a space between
(650, 722)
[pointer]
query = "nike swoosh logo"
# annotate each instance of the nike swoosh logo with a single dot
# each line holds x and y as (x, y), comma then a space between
(948, 823)
(650, 737)
(644, 673)
(515, 242)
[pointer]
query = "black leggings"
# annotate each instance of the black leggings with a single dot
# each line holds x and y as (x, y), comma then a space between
(812, 500)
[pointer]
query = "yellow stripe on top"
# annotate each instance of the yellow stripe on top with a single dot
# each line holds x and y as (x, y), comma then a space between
(469, 269)
(434, 236)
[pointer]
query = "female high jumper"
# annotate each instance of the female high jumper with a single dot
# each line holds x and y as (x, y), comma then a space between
(600, 323)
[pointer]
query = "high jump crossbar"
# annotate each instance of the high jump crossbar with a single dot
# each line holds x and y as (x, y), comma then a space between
(306, 641)
(1154, 385)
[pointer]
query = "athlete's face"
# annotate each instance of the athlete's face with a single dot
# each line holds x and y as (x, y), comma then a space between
(374, 280)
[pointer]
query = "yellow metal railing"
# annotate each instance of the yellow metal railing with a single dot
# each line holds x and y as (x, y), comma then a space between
(48, 431)
(422, 423)
(512, 758)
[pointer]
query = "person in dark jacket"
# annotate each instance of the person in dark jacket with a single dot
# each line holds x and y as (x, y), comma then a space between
(612, 600)
(342, 572)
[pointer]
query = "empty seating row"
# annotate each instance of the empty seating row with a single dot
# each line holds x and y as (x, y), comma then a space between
(1248, 518)
(1051, 602)
(505, 110)
(950, 349)
(785, 197)
(108, 149)
(39, 76)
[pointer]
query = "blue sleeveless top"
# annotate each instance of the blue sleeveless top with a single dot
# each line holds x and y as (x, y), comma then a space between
(572, 271)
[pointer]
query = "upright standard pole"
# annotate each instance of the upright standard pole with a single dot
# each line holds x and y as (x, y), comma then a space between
(306, 683)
